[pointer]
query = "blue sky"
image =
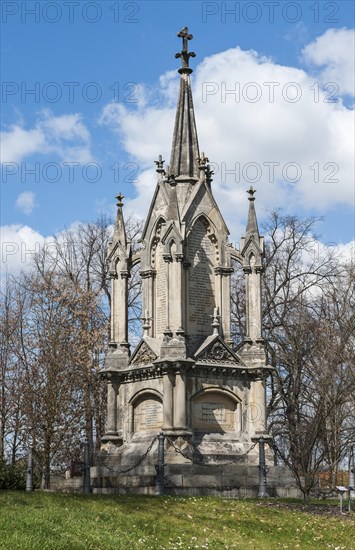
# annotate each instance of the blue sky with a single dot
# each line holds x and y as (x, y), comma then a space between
(105, 83)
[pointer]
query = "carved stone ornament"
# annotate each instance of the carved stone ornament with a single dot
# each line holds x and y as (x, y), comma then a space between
(217, 352)
(144, 355)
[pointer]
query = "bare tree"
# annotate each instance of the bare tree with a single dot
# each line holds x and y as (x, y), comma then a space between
(299, 274)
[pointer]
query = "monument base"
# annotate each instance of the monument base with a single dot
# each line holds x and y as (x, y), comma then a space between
(228, 469)
(239, 481)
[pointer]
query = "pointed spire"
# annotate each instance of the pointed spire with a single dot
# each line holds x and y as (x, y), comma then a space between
(119, 233)
(185, 150)
(252, 224)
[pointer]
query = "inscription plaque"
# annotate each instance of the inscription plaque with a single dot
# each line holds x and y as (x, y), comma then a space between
(214, 413)
(201, 253)
(148, 415)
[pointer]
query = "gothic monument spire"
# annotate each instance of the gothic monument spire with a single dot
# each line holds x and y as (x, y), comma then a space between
(184, 377)
(185, 150)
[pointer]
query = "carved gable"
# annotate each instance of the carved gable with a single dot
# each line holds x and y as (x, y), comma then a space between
(215, 350)
(143, 354)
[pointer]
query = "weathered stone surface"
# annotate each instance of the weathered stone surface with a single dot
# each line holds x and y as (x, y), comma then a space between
(184, 377)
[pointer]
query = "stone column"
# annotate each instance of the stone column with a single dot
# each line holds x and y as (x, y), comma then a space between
(145, 293)
(247, 272)
(113, 433)
(257, 408)
(151, 303)
(111, 420)
(253, 300)
(185, 298)
(167, 260)
(167, 401)
(180, 400)
(179, 293)
(260, 395)
(119, 306)
(123, 308)
(148, 298)
(113, 276)
(223, 276)
(218, 294)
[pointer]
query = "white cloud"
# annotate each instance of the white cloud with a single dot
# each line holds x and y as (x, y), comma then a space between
(334, 54)
(347, 252)
(19, 243)
(26, 202)
(65, 136)
(66, 127)
(234, 131)
(18, 143)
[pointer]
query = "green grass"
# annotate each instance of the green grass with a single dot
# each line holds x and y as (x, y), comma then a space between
(42, 521)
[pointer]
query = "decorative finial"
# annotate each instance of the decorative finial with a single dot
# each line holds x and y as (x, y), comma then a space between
(185, 54)
(209, 174)
(146, 324)
(251, 191)
(160, 164)
(202, 161)
(215, 320)
(119, 198)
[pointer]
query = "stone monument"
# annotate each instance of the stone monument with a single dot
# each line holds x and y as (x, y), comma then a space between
(185, 378)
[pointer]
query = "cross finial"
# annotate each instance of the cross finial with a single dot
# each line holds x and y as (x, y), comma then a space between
(160, 164)
(119, 198)
(251, 192)
(185, 54)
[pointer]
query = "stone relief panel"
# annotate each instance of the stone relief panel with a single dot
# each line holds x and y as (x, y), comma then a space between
(144, 355)
(201, 281)
(214, 413)
(148, 415)
(217, 353)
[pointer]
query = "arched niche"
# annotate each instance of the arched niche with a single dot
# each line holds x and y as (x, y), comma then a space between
(215, 410)
(147, 409)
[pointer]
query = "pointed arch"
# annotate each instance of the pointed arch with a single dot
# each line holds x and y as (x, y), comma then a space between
(210, 229)
(172, 234)
(146, 411)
